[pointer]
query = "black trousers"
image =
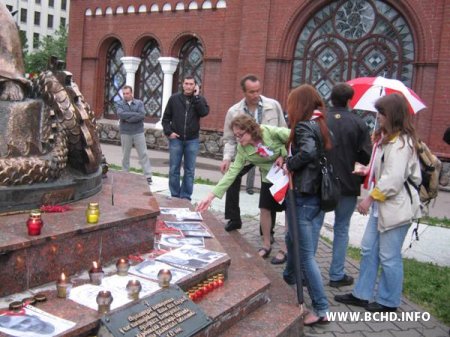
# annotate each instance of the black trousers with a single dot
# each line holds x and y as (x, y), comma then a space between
(232, 209)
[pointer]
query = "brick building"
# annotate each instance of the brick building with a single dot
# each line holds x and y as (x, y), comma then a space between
(284, 42)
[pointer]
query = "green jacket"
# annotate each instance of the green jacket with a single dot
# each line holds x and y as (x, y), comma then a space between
(275, 138)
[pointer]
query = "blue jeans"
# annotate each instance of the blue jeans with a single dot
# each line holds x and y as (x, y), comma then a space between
(307, 208)
(179, 149)
(342, 215)
(140, 145)
(385, 250)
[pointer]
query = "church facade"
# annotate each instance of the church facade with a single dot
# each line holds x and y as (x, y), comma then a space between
(153, 44)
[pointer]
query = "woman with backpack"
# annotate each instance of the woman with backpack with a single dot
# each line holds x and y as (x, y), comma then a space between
(393, 203)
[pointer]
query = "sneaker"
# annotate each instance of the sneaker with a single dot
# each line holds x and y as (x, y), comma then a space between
(345, 281)
(351, 300)
(149, 180)
(250, 191)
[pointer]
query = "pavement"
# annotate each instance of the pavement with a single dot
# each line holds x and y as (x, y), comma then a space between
(433, 246)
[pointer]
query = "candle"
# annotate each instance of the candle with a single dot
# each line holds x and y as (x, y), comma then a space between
(164, 278)
(104, 300)
(34, 223)
(92, 212)
(133, 288)
(40, 297)
(63, 286)
(122, 266)
(96, 273)
(15, 306)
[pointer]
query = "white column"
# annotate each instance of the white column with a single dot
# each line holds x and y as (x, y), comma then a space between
(168, 67)
(131, 65)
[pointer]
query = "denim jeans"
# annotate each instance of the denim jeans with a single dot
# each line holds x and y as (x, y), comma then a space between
(177, 150)
(342, 216)
(381, 249)
(307, 208)
(140, 145)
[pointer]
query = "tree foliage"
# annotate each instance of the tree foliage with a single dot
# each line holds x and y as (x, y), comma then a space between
(55, 45)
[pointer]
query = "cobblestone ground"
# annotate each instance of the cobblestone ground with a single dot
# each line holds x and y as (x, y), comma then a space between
(349, 327)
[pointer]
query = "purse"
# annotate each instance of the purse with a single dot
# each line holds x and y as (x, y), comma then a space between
(330, 187)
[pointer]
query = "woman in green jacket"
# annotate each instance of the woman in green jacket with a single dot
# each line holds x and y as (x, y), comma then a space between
(261, 145)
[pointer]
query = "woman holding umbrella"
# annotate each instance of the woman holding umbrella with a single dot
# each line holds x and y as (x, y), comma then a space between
(308, 138)
(393, 172)
(261, 145)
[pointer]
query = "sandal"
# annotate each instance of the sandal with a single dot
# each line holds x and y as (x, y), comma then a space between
(319, 320)
(265, 252)
(276, 260)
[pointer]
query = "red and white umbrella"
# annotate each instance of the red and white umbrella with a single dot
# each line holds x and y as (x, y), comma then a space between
(369, 89)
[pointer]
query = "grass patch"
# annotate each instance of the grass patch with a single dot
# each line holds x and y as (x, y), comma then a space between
(438, 222)
(425, 284)
(197, 180)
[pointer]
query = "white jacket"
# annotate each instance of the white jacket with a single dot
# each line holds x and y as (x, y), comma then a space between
(395, 162)
(272, 114)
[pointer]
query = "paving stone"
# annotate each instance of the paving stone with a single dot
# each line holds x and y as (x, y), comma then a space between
(408, 333)
(377, 334)
(356, 326)
(434, 332)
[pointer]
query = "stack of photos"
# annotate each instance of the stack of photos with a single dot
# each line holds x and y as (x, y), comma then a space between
(190, 257)
(150, 269)
(33, 322)
(190, 228)
(169, 242)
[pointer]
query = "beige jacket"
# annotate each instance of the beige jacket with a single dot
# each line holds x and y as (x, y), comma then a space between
(394, 163)
(272, 114)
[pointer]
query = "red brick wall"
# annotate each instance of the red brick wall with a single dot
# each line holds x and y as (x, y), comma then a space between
(255, 36)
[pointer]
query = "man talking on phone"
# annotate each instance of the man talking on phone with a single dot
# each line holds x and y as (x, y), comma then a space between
(181, 124)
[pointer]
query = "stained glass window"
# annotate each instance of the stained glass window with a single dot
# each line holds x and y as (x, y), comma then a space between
(150, 85)
(115, 77)
(191, 61)
(353, 38)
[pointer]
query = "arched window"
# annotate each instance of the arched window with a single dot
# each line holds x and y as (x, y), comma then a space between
(353, 38)
(191, 61)
(115, 77)
(151, 80)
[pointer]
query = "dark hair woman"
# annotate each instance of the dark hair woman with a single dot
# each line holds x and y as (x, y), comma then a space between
(309, 137)
(393, 202)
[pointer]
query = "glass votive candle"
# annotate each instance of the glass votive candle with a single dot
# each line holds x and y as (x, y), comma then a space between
(122, 266)
(104, 300)
(134, 287)
(34, 223)
(164, 278)
(63, 286)
(92, 212)
(96, 273)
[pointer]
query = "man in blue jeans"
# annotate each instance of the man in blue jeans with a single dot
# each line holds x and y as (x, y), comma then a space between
(181, 124)
(351, 143)
(131, 114)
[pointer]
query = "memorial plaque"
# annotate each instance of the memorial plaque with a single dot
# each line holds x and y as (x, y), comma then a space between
(166, 313)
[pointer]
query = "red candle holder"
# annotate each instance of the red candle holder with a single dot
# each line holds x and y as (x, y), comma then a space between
(34, 223)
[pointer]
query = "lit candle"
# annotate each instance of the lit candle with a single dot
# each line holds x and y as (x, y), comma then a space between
(122, 266)
(164, 278)
(63, 286)
(104, 300)
(133, 288)
(96, 273)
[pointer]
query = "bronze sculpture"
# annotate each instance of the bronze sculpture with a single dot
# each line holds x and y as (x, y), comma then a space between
(47, 129)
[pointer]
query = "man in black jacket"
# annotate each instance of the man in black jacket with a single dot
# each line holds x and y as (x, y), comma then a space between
(181, 123)
(351, 144)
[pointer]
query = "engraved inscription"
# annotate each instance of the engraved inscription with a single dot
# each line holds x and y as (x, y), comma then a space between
(161, 319)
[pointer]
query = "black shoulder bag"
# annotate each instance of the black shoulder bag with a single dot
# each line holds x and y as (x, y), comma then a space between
(330, 187)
